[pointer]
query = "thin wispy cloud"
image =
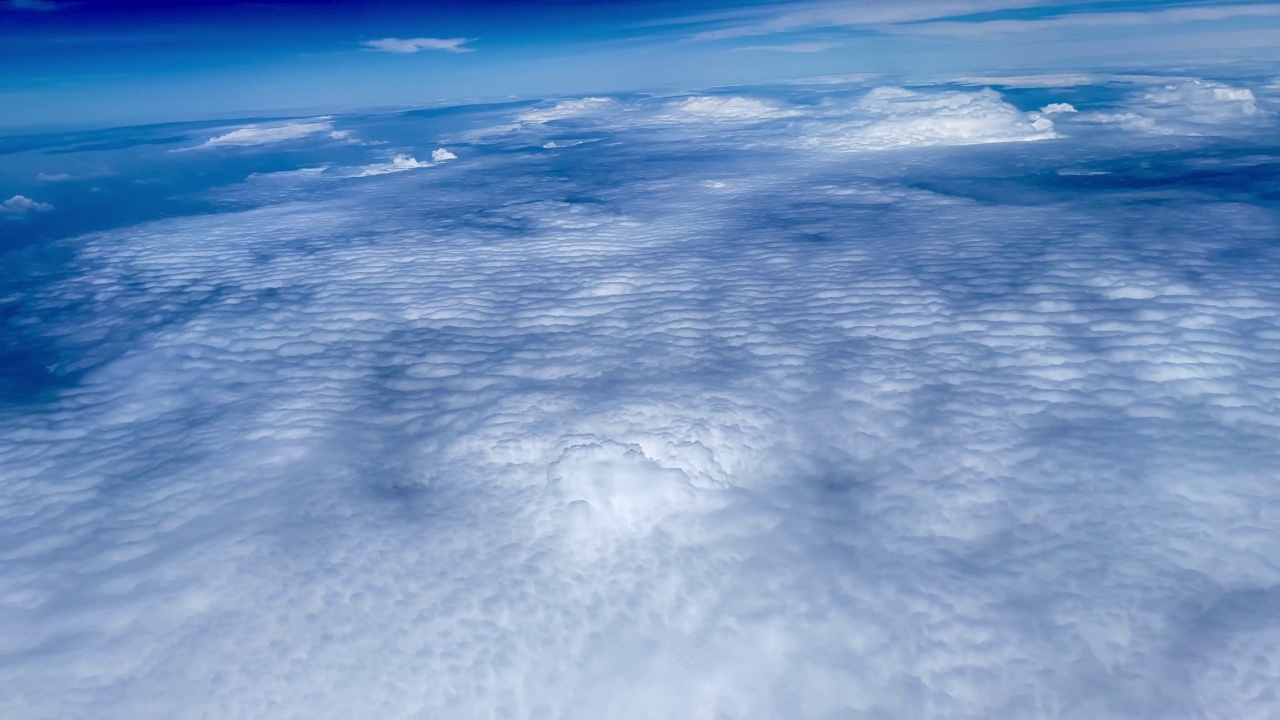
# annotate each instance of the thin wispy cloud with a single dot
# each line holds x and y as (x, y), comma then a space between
(408, 46)
(800, 47)
(36, 5)
(1091, 20)
(816, 15)
(944, 18)
(274, 133)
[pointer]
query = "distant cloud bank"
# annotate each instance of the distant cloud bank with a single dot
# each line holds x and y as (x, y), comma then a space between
(267, 134)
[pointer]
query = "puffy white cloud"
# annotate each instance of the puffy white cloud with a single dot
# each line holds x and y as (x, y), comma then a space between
(20, 205)
(399, 163)
(567, 109)
(407, 46)
(1058, 109)
(723, 108)
(1188, 107)
(441, 155)
(890, 117)
(1207, 102)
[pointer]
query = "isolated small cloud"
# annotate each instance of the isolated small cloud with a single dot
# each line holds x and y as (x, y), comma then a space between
(1058, 108)
(53, 177)
(399, 163)
(441, 154)
(267, 134)
(408, 46)
(20, 206)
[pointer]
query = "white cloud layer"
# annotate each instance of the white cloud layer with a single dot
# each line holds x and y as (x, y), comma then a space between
(408, 46)
(667, 431)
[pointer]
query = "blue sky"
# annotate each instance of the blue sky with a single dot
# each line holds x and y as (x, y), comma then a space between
(65, 64)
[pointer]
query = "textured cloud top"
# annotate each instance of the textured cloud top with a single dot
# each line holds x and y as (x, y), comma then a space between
(802, 408)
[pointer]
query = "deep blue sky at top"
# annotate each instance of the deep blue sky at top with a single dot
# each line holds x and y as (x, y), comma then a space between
(96, 62)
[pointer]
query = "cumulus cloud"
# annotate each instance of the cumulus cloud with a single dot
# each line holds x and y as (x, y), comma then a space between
(567, 109)
(1188, 107)
(20, 206)
(408, 46)
(723, 108)
(266, 134)
(684, 428)
(399, 163)
(891, 117)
